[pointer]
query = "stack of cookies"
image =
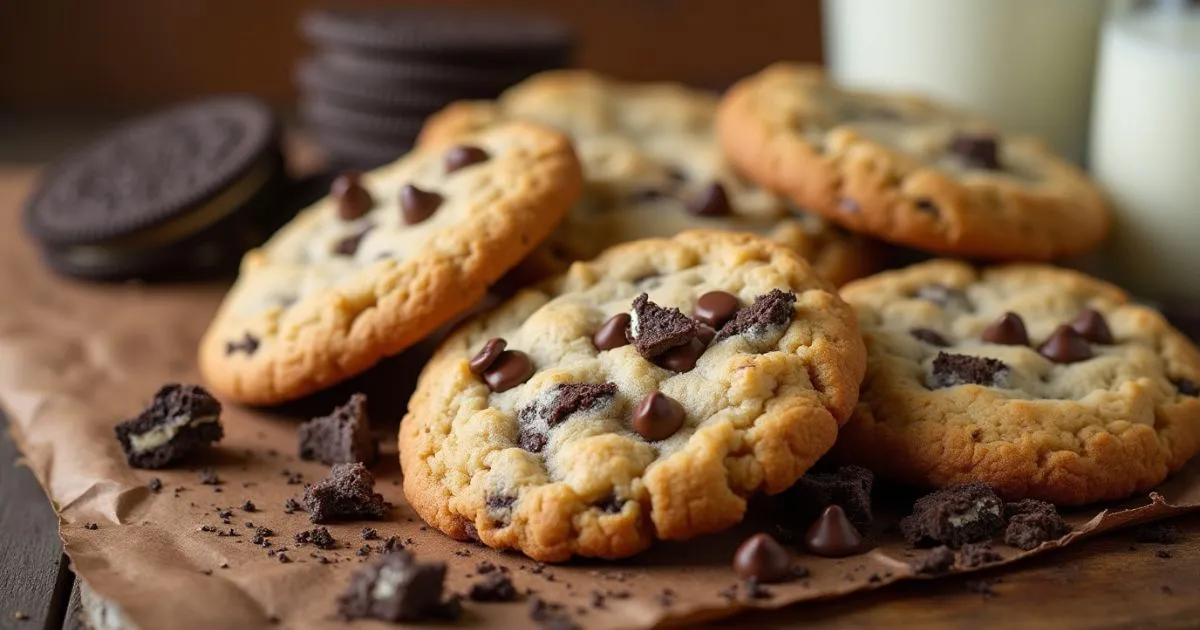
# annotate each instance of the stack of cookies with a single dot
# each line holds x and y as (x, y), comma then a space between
(676, 341)
(379, 72)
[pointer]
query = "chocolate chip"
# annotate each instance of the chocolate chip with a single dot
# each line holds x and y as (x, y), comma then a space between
(710, 202)
(927, 206)
(770, 310)
(1008, 330)
(938, 561)
(486, 356)
(1032, 522)
(762, 558)
(353, 200)
(247, 344)
(1187, 387)
(612, 333)
(653, 329)
(944, 296)
(416, 205)
(463, 156)
(658, 417)
(950, 370)
(681, 358)
(954, 516)
(1092, 326)
(929, 336)
(715, 308)
(705, 334)
(833, 535)
(1066, 345)
(976, 150)
(348, 245)
(510, 369)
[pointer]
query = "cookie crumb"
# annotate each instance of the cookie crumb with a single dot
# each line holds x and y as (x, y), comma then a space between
(180, 420)
(319, 537)
(342, 437)
(494, 587)
(977, 554)
(291, 506)
(1032, 522)
(951, 370)
(248, 506)
(91, 526)
(1161, 533)
(938, 561)
(347, 493)
(1163, 553)
(155, 484)
(396, 587)
(954, 516)
(654, 329)
(369, 533)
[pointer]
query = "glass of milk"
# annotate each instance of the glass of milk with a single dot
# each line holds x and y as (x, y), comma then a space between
(1146, 146)
(1026, 64)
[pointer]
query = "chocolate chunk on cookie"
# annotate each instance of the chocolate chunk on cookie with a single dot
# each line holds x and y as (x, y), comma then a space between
(180, 420)
(604, 439)
(1032, 522)
(954, 516)
(342, 437)
(950, 370)
(769, 311)
(348, 493)
(395, 588)
(653, 329)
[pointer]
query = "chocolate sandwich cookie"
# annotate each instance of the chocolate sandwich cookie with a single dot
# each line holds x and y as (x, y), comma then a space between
(182, 191)
(441, 33)
(434, 72)
(180, 420)
(316, 110)
(316, 76)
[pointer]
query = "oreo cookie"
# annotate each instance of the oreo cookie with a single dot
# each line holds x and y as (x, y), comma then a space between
(352, 152)
(448, 76)
(177, 193)
(442, 33)
(316, 76)
(318, 111)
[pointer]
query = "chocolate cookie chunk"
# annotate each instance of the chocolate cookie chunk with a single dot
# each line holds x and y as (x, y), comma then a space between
(348, 493)
(494, 587)
(653, 329)
(954, 516)
(950, 370)
(978, 554)
(769, 311)
(1032, 522)
(342, 437)
(180, 420)
(938, 561)
(848, 487)
(396, 588)
(555, 406)
(318, 537)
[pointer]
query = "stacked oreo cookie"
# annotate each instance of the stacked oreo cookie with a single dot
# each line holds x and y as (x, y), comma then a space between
(380, 72)
(180, 193)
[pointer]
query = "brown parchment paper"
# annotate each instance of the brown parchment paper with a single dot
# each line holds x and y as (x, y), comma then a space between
(75, 359)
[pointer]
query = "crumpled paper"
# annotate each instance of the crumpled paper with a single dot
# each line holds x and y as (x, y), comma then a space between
(75, 359)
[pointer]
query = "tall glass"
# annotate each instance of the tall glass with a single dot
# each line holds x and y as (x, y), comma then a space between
(1026, 64)
(1146, 146)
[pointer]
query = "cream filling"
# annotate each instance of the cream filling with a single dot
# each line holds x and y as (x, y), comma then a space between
(387, 583)
(970, 515)
(166, 432)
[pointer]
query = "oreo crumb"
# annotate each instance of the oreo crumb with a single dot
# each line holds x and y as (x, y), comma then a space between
(848, 487)
(155, 484)
(951, 370)
(771, 310)
(653, 329)
(260, 536)
(364, 551)
(954, 516)
(938, 561)
(319, 537)
(1163, 553)
(1161, 533)
(1032, 522)
(91, 526)
(283, 558)
(754, 590)
(369, 533)
(249, 506)
(342, 437)
(549, 615)
(209, 477)
(484, 567)
(290, 506)
(180, 420)
(391, 545)
(495, 587)
(977, 554)
(347, 493)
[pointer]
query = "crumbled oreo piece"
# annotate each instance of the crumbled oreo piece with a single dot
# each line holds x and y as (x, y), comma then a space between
(291, 506)
(208, 477)
(950, 370)
(1187, 387)
(342, 437)
(248, 506)
(348, 493)
(155, 484)
(976, 150)
(1161, 533)
(938, 561)
(769, 311)
(954, 516)
(180, 420)
(566, 399)
(494, 587)
(978, 554)
(369, 533)
(247, 344)
(1032, 522)
(396, 588)
(318, 537)
(848, 487)
(549, 615)
(653, 329)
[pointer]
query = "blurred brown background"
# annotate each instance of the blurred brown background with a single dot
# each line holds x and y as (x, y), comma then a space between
(112, 56)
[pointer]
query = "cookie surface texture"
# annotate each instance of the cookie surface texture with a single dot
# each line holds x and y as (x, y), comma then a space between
(384, 261)
(907, 170)
(549, 444)
(1041, 382)
(653, 169)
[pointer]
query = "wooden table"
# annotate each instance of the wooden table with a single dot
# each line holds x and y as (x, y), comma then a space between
(1109, 582)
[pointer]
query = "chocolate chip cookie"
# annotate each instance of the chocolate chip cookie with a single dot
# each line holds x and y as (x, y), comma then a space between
(908, 170)
(646, 394)
(652, 169)
(385, 260)
(1041, 382)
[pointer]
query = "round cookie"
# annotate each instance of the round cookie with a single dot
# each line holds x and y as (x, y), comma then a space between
(907, 170)
(385, 260)
(593, 414)
(653, 169)
(1041, 382)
